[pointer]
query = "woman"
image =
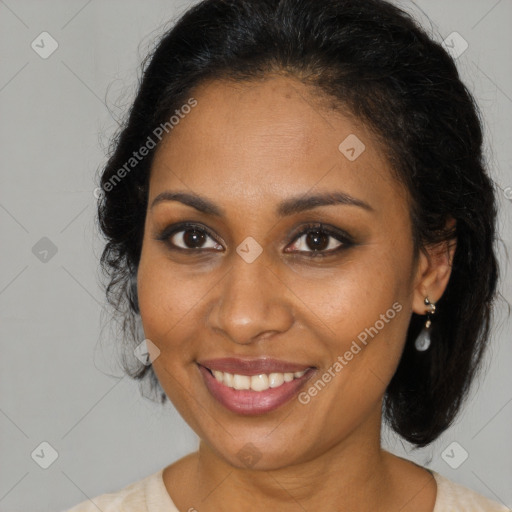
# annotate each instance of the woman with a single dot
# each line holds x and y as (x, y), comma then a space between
(298, 215)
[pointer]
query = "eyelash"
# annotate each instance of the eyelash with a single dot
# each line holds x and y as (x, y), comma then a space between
(339, 235)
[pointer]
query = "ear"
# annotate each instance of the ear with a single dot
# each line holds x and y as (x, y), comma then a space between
(433, 272)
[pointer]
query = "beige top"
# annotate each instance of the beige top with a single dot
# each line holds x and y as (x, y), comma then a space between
(150, 495)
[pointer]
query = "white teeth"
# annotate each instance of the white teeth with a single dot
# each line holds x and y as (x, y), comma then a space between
(260, 382)
(275, 380)
(241, 381)
(288, 377)
(218, 375)
(227, 379)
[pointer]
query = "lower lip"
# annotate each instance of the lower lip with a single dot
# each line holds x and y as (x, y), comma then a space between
(249, 402)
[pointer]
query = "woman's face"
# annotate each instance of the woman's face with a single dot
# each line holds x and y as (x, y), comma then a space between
(254, 280)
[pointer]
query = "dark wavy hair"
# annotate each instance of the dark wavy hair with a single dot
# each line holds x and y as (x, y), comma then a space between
(374, 61)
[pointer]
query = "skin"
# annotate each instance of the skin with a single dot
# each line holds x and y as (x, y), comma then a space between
(248, 146)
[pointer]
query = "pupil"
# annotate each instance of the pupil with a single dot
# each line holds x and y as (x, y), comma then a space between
(317, 240)
(193, 236)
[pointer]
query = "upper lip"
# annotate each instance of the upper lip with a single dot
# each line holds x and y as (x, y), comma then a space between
(252, 366)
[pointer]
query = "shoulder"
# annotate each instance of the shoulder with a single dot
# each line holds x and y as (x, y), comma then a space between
(146, 495)
(453, 497)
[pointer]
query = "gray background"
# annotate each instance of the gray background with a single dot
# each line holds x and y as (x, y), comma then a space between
(59, 379)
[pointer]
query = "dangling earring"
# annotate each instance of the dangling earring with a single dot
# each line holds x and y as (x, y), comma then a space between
(423, 340)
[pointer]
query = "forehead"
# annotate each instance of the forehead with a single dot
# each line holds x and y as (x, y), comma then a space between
(261, 141)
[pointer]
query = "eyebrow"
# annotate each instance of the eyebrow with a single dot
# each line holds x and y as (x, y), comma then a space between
(287, 207)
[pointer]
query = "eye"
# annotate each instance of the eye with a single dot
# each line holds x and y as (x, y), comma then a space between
(188, 237)
(322, 241)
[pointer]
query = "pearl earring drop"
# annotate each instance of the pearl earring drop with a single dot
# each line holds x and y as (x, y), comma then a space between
(423, 340)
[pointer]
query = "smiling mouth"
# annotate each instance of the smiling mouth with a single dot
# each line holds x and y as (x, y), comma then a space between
(254, 394)
(258, 383)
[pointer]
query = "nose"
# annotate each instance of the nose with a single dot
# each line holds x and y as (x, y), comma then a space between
(251, 302)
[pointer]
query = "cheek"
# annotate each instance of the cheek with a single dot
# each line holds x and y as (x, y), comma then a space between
(164, 301)
(165, 294)
(354, 295)
(364, 311)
